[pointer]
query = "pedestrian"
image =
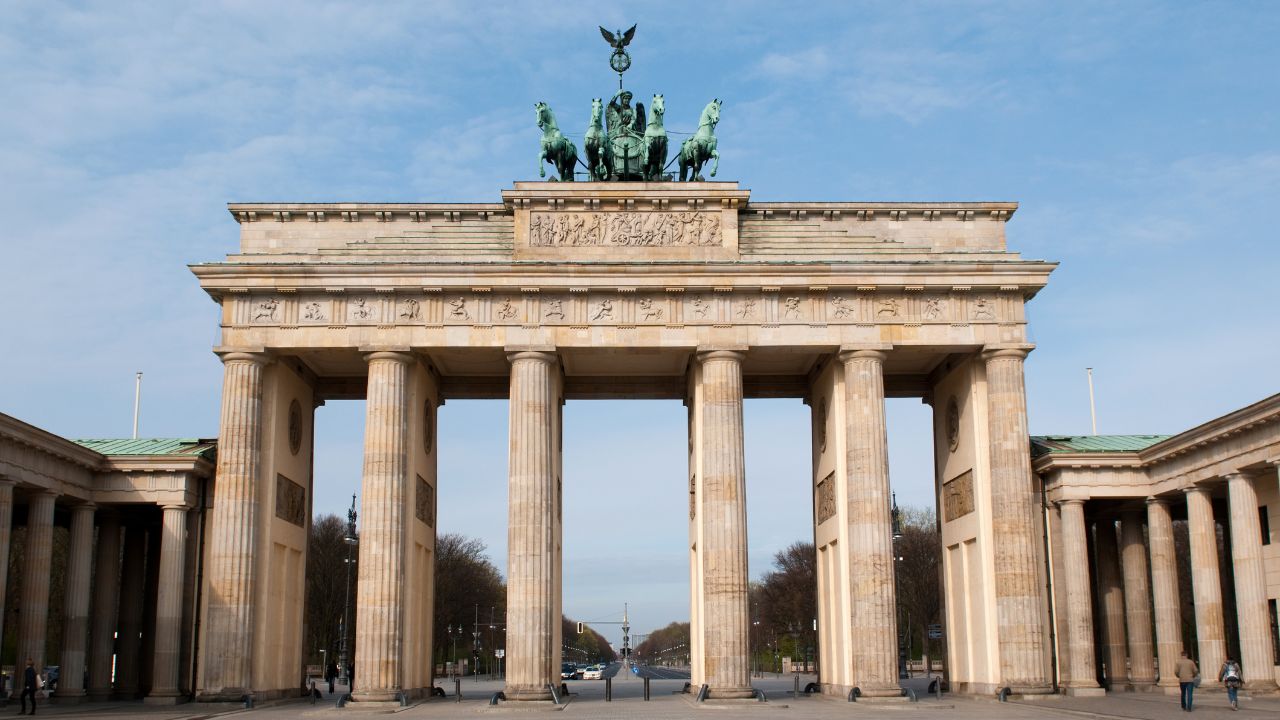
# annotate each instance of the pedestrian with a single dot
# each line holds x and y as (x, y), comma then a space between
(1187, 673)
(351, 677)
(1229, 676)
(331, 674)
(30, 683)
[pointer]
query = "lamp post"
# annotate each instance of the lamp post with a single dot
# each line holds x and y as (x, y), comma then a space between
(344, 656)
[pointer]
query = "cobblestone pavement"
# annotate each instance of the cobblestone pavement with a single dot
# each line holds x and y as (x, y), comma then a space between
(587, 702)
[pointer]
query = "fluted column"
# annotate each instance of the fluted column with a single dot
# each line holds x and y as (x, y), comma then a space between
(1206, 582)
(1020, 598)
(106, 596)
(6, 533)
(227, 647)
(75, 632)
(724, 527)
(173, 539)
(1111, 600)
(871, 577)
(532, 552)
(1164, 590)
(33, 619)
(1137, 602)
(1252, 612)
(380, 611)
(133, 588)
(1079, 600)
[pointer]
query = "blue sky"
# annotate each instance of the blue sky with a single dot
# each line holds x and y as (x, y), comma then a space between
(1140, 139)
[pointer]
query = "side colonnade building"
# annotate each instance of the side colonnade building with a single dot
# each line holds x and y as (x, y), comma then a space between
(1124, 607)
(133, 511)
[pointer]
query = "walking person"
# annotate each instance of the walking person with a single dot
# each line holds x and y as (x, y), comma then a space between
(1187, 673)
(30, 683)
(1229, 676)
(331, 674)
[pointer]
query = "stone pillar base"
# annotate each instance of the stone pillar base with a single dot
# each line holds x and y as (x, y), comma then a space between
(1167, 689)
(225, 695)
(1094, 691)
(730, 693)
(1021, 690)
(371, 696)
(527, 694)
(68, 698)
(164, 700)
(1141, 686)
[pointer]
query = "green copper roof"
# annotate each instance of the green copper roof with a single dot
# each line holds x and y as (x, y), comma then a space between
(153, 446)
(1043, 444)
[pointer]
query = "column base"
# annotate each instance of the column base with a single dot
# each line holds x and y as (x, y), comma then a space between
(527, 693)
(1261, 687)
(363, 697)
(69, 697)
(1093, 691)
(731, 693)
(1030, 689)
(163, 698)
(1141, 686)
(1167, 689)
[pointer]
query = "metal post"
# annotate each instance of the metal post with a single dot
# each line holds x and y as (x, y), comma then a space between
(350, 539)
(646, 687)
(608, 689)
(137, 397)
(457, 687)
(1093, 413)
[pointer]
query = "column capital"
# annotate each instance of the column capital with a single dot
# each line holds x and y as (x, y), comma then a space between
(1069, 501)
(737, 353)
(400, 355)
(849, 353)
(1157, 500)
(89, 506)
(1235, 476)
(175, 506)
(996, 352)
(545, 356)
(257, 356)
(1196, 489)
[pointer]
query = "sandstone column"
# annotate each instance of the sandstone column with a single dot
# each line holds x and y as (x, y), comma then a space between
(33, 619)
(106, 595)
(1020, 597)
(1079, 600)
(1164, 590)
(380, 613)
(1137, 602)
(1206, 583)
(871, 577)
(1111, 600)
(164, 680)
(724, 527)
(133, 588)
(532, 549)
(227, 646)
(76, 608)
(6, 531)
(1252, 612)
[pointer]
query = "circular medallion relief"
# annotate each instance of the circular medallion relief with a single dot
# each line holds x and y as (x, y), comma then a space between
(821, 420)
(295, 427)
(953, 424)
(428, 431)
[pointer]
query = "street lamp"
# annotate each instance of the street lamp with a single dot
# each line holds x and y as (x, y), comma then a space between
(351, 540)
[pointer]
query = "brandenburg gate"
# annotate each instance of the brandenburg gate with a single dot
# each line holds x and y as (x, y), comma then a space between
(608, 289)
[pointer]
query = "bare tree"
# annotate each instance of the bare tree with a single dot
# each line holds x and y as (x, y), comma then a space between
(326, 588)
(917, 567)
(468, 587)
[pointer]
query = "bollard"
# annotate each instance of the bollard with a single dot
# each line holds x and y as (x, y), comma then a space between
(796, 692)
(608, 689)
(457, 689)
(646, 687)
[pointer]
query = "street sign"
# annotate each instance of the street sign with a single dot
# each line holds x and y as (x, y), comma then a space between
(935, 632)
(499, 653)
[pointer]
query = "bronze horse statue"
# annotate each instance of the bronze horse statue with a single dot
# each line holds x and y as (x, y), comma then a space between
(596, 144)
(556, 148)
(701, 146)
(655, 142)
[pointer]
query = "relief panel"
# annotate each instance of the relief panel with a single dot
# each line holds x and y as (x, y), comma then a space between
(625, 229)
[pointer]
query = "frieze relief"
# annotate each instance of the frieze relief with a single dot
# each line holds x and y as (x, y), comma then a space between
(291, 501)
(825, 497)
(769, 307)
(625, 229)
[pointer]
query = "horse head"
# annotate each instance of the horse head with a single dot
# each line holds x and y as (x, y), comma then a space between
(711, 113)
(546, 119)
(597, 111)
(657, 109)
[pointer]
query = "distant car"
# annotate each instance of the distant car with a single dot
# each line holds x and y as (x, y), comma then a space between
(595, 672)
(568, 671)
(51, 673)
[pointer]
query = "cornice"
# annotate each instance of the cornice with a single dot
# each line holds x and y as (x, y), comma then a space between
(1262, 412)
(23, 433)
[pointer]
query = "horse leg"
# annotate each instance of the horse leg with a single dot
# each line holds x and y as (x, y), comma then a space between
(716, 165)
(542, 171)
